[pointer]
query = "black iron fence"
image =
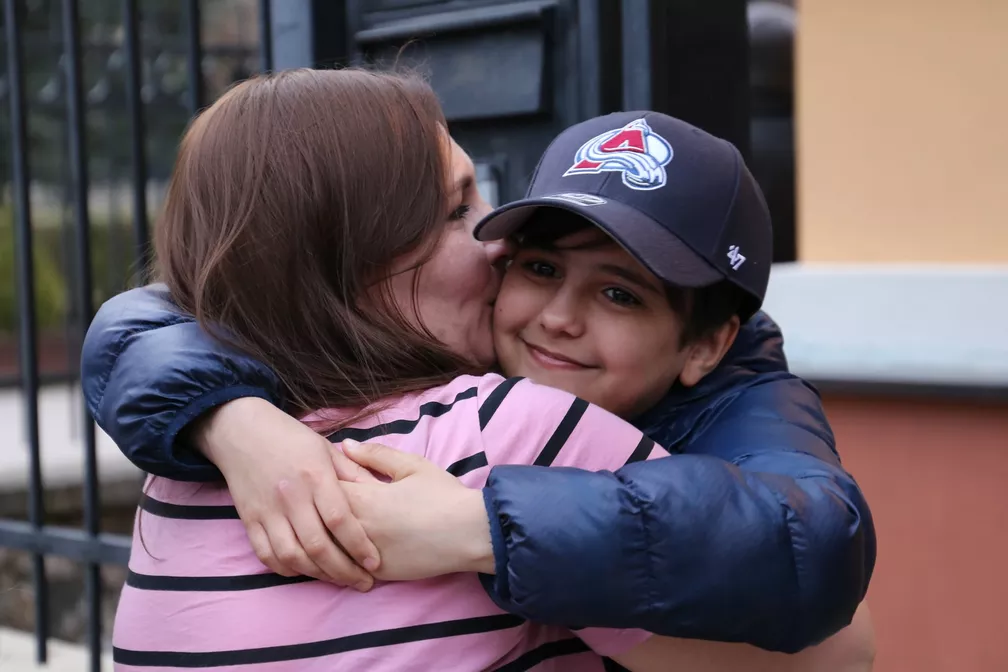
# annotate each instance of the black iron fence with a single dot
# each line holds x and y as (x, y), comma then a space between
(49, 99)
(166, 93)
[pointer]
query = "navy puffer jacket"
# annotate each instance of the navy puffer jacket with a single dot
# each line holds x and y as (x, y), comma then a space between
(751, 531)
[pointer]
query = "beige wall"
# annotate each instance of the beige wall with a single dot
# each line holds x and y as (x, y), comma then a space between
(902, 117)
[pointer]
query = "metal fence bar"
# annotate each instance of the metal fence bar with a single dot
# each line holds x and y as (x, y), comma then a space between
(82, 228)
(636, 34)
(588, 66)
(26, 313)
(195, 60)
(265, 36)
(112, 549)
(134, 84)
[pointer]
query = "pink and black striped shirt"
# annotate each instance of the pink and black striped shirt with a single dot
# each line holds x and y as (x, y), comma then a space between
(197, 597)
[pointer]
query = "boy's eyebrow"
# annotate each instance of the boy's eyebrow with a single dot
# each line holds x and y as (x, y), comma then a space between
(630, 276)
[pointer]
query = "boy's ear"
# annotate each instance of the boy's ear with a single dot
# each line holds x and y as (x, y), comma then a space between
(706, 353)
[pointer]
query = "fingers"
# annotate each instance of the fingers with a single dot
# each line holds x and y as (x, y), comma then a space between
(332, 506)
(286, 549)
(395, 464)
(348, 470)
(312, 545)
(264, 550)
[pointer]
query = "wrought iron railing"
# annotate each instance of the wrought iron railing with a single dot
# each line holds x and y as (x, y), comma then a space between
(66, 92)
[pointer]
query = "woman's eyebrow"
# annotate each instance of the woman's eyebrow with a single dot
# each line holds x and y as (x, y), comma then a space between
(466, 175)
(630, 276)
(464, 181)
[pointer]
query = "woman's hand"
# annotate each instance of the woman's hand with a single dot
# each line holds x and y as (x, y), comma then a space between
(281, 476)
(425, 523)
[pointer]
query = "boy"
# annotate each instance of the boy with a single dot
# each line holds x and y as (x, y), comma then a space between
(637, 314)
(586, 307)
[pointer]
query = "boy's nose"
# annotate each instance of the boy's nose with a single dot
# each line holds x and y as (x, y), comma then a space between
(561, 317)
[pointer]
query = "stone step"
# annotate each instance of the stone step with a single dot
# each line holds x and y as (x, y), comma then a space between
(17, 654)
(61, 419)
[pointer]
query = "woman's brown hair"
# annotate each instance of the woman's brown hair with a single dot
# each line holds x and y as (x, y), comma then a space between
(291, 197)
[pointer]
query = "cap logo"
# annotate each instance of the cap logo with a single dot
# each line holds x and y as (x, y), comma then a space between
(634, 150)
(585, 200)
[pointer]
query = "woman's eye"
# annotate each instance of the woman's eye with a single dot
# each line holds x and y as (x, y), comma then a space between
(460, 212)
(621, 297)
(542, 269)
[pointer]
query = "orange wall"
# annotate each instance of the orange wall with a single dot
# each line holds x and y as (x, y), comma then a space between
(902, 130)
(936, 477)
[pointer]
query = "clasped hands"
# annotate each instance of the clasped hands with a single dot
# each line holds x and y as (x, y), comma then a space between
(345, 513)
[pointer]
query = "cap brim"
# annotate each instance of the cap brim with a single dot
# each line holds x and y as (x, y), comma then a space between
(654, 246)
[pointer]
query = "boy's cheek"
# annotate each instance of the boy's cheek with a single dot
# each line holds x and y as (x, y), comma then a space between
(513, 307)
(503, 336)
(507, 359)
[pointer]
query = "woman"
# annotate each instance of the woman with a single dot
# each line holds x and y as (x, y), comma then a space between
(272, 231)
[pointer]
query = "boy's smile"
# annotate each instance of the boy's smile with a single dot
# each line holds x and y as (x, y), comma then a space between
(582, 315)
(548, 359)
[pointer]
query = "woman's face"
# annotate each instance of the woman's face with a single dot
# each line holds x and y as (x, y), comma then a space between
(458, 285)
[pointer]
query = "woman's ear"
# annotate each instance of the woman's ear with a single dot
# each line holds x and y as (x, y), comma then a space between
(706, 352)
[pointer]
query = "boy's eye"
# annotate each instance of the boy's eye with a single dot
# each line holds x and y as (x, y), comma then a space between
(542, 269)
(621, 297)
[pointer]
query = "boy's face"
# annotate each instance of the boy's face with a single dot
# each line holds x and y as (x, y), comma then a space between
(585, 317)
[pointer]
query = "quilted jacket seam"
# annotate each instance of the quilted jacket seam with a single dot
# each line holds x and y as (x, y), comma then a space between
(792, 529)
(117, 350)
(641, 504)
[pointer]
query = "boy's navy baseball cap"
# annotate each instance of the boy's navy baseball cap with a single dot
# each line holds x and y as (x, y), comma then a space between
(678, 199)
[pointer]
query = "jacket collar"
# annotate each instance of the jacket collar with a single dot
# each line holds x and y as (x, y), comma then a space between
(758, 350)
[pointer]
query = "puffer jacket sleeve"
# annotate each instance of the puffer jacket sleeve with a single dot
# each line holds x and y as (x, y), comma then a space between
(755, 533)
(148, 371)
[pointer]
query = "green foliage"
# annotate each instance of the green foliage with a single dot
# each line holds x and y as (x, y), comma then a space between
(107, 131)
(50, 288)
(112, 269)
